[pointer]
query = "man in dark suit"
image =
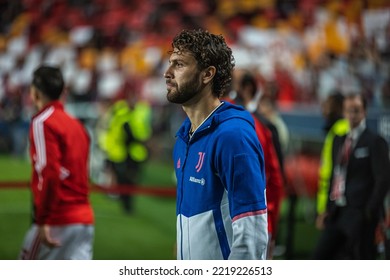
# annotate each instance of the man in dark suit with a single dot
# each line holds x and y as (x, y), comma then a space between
(358, 185)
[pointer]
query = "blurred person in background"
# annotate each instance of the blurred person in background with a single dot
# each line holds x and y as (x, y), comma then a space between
(267, 107)
(12, 118)
(335, 124)
(63, 220)
(269, 140)
(359, 183)
(219, 162)
(123, 139)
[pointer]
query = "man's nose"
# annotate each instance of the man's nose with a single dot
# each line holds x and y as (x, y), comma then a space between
(168, 73)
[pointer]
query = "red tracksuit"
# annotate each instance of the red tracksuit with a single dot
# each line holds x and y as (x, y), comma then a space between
(59, 149)
(274, 178)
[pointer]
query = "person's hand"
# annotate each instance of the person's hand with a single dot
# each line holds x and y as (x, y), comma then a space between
(320, 221)
(46, 238)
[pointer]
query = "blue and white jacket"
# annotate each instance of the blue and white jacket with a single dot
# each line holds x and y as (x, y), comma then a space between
(221, 205)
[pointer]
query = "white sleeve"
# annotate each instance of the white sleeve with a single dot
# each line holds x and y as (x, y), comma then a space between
(250, 238)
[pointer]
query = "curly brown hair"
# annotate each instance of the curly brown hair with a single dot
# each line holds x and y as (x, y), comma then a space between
(208, 50)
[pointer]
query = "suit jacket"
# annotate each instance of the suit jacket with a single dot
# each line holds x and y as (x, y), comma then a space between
(367, 176)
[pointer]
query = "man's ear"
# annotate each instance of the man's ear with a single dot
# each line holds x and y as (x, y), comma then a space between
(34, 93)
(208, 74)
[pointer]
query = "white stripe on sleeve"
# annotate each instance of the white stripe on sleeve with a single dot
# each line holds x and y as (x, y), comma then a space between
(39, 141)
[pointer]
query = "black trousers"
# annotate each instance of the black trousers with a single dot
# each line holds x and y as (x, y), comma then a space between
(349, 235)
(127, 174)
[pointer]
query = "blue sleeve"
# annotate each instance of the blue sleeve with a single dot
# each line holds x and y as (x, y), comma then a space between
(240, 165)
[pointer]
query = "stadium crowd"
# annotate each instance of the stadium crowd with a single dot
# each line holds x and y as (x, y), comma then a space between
(301, 49)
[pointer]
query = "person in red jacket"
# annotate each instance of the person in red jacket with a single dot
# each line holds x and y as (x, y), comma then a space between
(63, 219)
(246, 89)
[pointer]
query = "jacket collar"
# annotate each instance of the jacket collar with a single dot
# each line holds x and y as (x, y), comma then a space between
(56, 104)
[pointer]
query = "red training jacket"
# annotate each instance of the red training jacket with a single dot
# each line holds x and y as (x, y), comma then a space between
(274, 177)
(59, 149)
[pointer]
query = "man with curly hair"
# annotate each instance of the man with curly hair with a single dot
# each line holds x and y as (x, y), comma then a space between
(219, 163)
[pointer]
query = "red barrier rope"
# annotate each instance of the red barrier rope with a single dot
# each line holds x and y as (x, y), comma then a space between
(14, 184)
(117, 189)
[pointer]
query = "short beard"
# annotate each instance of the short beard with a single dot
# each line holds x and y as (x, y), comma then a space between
(186, 92)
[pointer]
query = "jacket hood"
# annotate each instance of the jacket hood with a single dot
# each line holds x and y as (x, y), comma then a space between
(225, 112)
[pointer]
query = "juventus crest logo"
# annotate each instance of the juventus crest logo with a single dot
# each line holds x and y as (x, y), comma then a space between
(199, 165)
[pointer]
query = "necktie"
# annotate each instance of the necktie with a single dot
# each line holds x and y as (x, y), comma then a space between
(346, 151)
(338, 187)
